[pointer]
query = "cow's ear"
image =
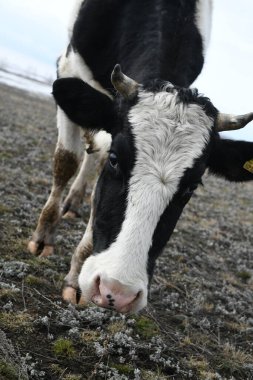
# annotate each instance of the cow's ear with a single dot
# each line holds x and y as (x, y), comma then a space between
(232, 160)
(84, 105)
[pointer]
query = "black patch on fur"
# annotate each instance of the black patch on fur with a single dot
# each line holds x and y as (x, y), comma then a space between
(84, 105)
(149, 38)
(228, 157)
(184, 95)
(111, 192)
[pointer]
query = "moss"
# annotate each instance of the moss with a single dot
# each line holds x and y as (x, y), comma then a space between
(8, 294)
(4, 209)
(208, 307)
(6, 155)
(207, 375)
(124, 369)
(15, 321)
(72, 377)
(17, 245)
(186, 341)
(64, 347)
(57, 370)
(34, 281)
(244, 275)
(7, 372)
(39, 262)
(151, 375)
(89, 335)
(146, 327)
(116, 327)
(231, 279)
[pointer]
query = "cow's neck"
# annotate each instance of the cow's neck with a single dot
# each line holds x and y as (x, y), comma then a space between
(167, 46)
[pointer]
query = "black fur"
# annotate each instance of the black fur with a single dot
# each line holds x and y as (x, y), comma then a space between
(149, 38)
(84, 105)
(111, 192)
(228, 157)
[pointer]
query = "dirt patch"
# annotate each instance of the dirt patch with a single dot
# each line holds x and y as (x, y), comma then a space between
(199, 322)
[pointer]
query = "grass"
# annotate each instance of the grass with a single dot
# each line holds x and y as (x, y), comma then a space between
(199, 364)
(34, 281)
(7, 372)
(17, 321)
(115, 327)
(89, 336)
(8, 294)
(4, 209)
(146, 327)
(64, 348)
(244, 275)
(124, 369)
(233, 360)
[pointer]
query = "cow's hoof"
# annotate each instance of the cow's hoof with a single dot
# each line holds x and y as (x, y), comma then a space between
(69, 294)
(47, 251)
(72, 295)
(72, 207)
(70, 215)
(33, 247)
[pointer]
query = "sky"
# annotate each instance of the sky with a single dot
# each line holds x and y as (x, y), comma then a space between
(33, 33)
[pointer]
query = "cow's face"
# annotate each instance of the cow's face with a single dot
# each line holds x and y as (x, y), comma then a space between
(161, 141)
(155, 162)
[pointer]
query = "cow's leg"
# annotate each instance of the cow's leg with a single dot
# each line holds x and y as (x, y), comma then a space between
(73, 202)
(66, 161)
(98, 146)
(83, 250)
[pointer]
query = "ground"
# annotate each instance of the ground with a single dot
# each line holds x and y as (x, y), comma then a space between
(199, 321)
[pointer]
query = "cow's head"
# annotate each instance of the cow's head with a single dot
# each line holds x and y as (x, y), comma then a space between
(163, 139)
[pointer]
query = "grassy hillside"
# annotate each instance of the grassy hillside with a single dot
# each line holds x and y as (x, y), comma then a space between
(199, 322)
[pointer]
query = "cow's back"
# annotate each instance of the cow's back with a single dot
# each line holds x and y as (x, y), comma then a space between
(149, 38)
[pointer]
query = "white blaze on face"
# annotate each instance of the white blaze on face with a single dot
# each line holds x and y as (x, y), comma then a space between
(168, 138)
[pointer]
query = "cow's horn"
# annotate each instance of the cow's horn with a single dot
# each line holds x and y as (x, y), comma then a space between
(127, 87)
(227, 122)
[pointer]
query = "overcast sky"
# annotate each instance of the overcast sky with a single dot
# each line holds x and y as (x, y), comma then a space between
(34, 32)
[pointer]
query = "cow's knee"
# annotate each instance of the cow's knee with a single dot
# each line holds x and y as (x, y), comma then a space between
(65, 166)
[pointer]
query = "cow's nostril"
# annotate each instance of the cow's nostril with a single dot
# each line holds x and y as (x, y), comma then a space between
(97, 281)
(111, 293)
(138, 295)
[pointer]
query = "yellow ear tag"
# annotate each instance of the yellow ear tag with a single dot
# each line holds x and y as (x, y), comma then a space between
(249, 166)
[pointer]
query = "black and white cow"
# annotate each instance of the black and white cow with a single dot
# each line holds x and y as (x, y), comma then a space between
(156, 137)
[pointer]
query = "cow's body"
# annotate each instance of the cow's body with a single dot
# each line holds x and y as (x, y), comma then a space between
(162, 139)
(150, 38)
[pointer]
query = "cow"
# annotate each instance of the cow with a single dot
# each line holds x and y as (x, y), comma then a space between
(124, 81)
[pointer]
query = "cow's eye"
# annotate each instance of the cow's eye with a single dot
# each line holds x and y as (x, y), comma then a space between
(113, 160)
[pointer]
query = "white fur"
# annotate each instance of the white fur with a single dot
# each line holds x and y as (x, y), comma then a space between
(68, 134)
(74, 66)
(204, 20)
(168, 138)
